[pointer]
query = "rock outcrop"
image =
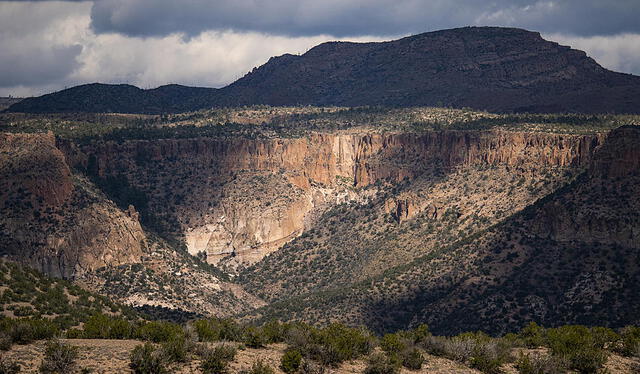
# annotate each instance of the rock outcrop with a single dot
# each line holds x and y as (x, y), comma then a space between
(54, 220)
(240, 199)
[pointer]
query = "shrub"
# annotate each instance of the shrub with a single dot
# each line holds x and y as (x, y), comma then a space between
(215, 360)
(532, 335)
(382, 364)
(58, 358)
(101, 326)
(177, 349)
(488, 356)
(145, 359)
(393, 343)
(539, 364)
(215, 329)
(629, 342)
(5, 341)
(420, 334)
(339, 343)
(577, 346)
(8, 367)
(412, 359)
(159, 332)
(259, 367)
(275, 332)
(311, 367)
(290, 361)
(603, 337)
(254, 337)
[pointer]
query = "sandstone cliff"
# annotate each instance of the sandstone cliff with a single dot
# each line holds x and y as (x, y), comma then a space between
(54, 220)
(238, 199)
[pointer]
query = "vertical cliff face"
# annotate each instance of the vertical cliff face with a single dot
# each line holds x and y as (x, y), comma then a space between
(56, 221)
(603, 202)
(239, 199)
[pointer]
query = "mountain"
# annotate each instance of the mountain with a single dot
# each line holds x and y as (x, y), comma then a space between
(485, 68)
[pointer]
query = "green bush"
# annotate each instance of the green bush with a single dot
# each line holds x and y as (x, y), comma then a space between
(58, 358)
(629, 344)
(420, 334)
(159, 332)
(290, 361)
(339, 343)
(145, 359)
(412, 359)
(578, 347)
(259, 367)
(382, 364)
(254, 337)
(215, 329)
(176, 349)
(539, 364)
(215, 360)
(533, 335)
(275, 332)
(393, 343)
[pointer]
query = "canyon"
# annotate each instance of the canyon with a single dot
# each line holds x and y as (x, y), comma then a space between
(287, 210)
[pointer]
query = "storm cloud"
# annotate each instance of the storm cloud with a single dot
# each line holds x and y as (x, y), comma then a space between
(361, 17)
(48, 45)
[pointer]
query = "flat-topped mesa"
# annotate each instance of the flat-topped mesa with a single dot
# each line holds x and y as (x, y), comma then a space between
(248, 197)
(487, 68)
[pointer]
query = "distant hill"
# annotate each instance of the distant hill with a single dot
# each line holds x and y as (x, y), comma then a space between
(6, 102)
(487, 68)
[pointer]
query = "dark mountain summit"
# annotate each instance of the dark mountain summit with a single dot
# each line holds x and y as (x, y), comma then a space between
(490, 68)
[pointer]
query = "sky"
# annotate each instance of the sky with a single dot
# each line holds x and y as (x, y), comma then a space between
(46, 46)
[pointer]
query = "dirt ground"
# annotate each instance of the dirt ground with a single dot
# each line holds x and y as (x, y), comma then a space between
(112, 356)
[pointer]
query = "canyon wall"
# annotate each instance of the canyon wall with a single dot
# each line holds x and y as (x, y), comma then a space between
(54, 220)
(238, 199)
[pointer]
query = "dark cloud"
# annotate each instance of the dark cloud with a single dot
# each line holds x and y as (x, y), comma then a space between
(361, 17)
(38, 66)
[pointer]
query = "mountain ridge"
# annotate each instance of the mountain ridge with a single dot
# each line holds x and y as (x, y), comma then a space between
(486, 68)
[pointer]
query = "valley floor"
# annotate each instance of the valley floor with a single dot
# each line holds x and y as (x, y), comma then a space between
(104, 356)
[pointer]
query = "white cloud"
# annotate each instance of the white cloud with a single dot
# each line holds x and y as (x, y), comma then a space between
(46, 46)
(618, 52)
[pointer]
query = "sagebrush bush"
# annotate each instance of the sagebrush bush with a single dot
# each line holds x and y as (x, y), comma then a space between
(290, 361)
(382, 364)
(26, 330)
(629, 344)
(540, 364)
(393, 343)
(330, 345)
(216, 329)
(159, 332)
(533, 335)
(577, 346)
(259, 367)
(214, 361)
(254, 337)
(58, 358)
(177, 349)
(145, 359)
(412, 359)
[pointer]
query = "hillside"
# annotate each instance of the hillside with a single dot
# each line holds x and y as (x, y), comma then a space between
(485, 68)
(373, 216)
(59, 222)
(571, 257)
